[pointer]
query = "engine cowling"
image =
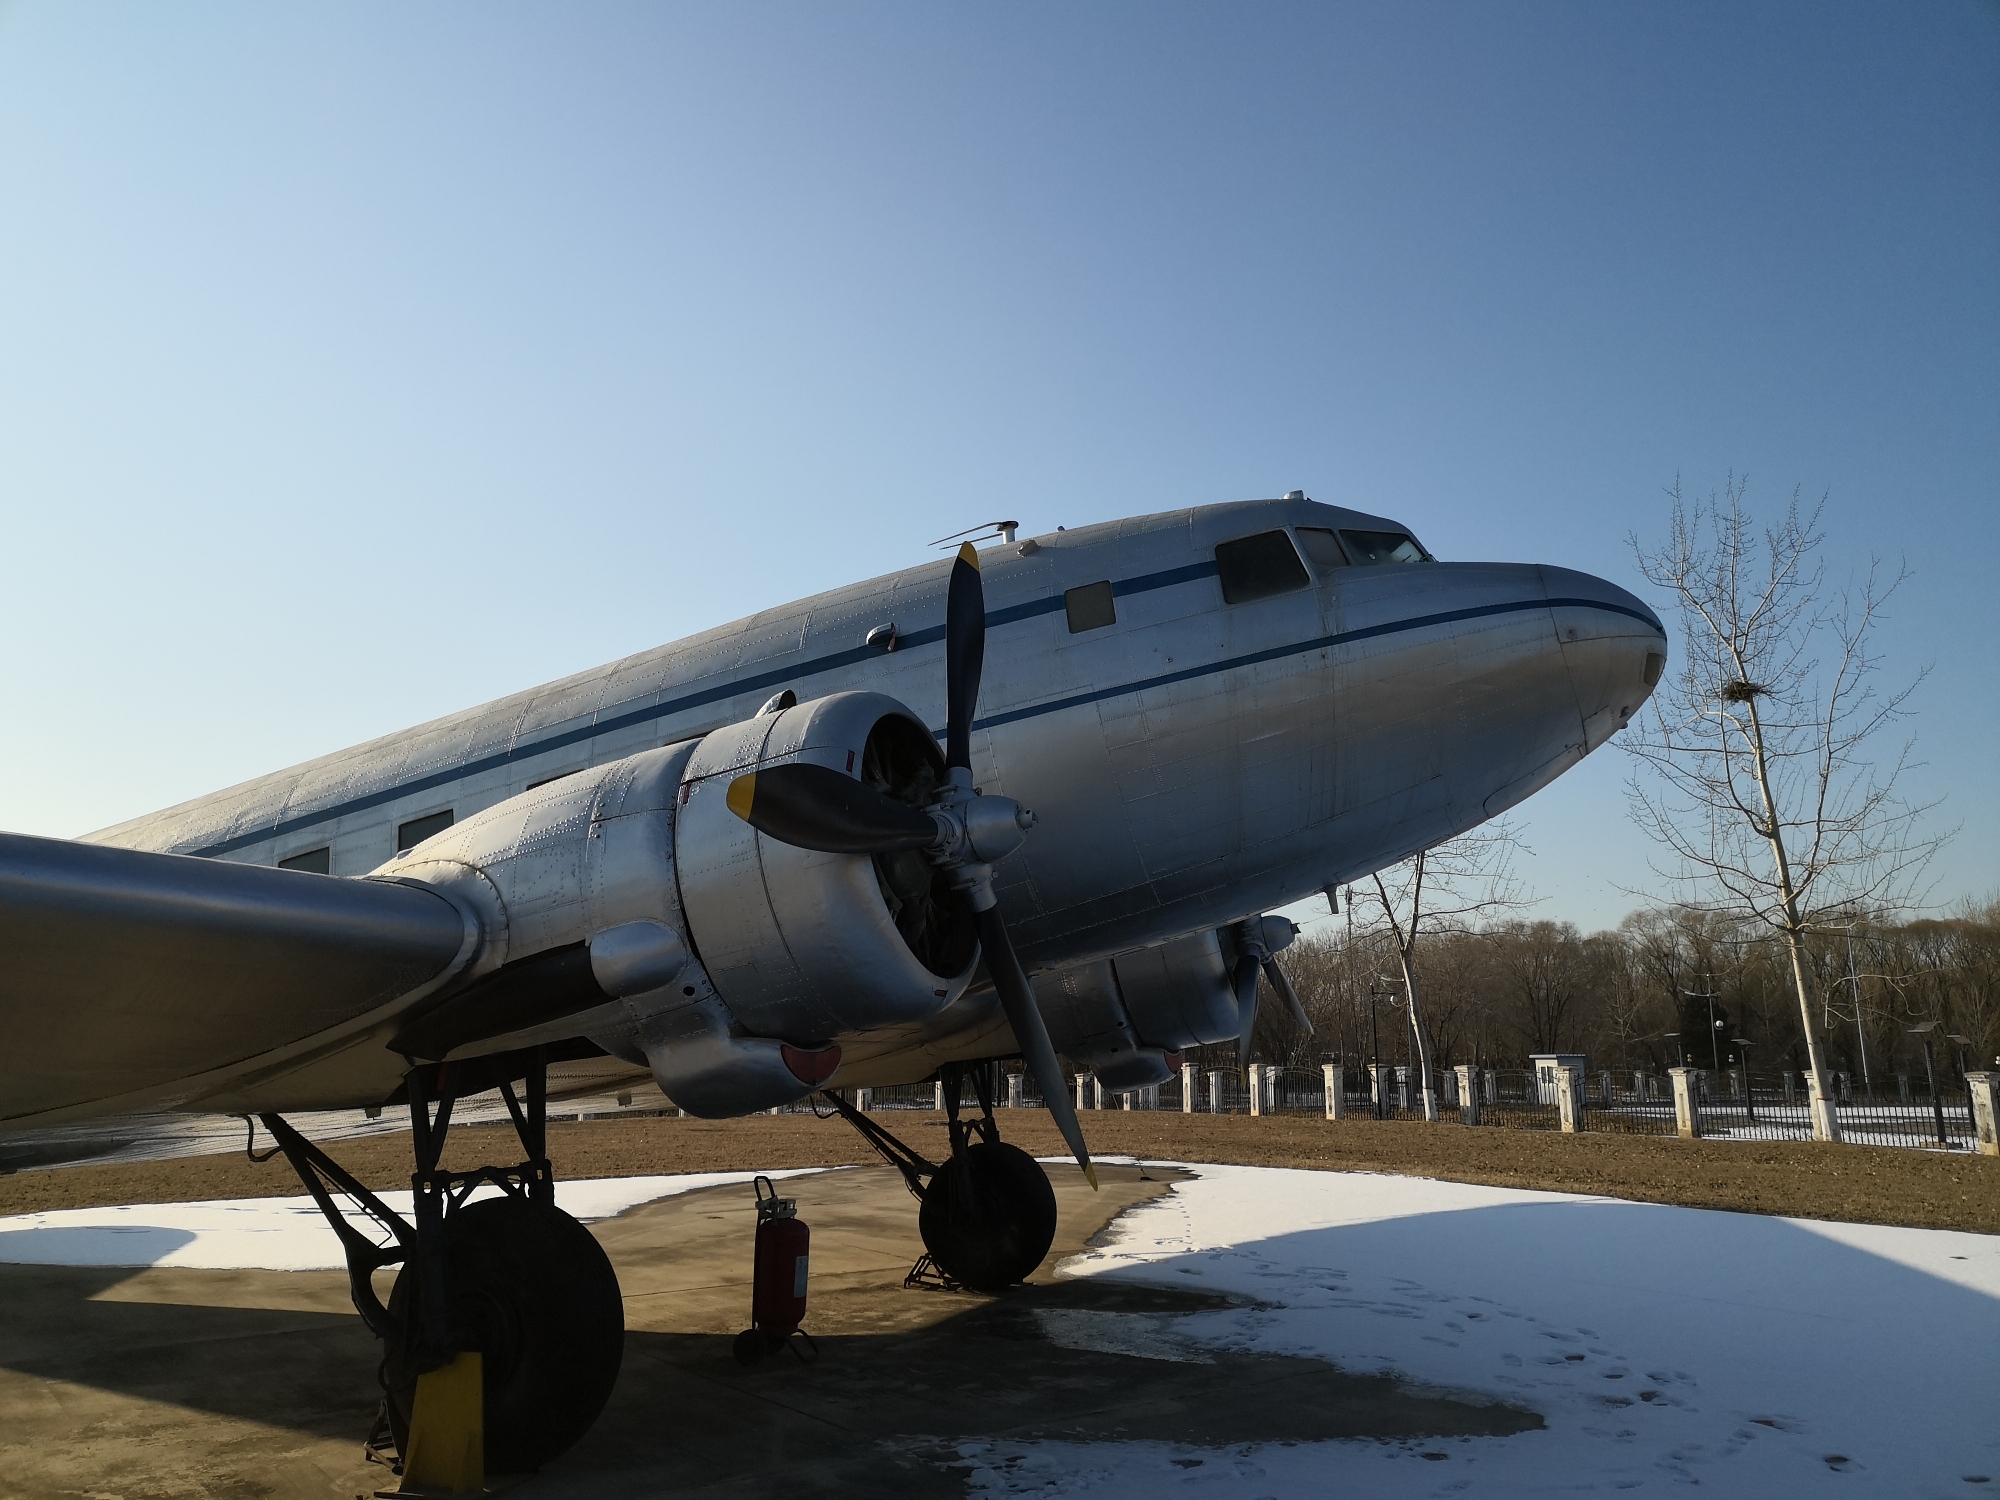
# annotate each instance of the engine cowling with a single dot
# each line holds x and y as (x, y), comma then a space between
(1127, 1018)
(642, 913)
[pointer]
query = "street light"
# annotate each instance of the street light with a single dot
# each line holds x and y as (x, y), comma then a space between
(1922, 1031)
(1714, 1026)
(1376, 992)
(1743, 1071)
(1961, 1043)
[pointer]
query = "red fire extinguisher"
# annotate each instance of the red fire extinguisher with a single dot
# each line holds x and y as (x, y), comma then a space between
(778, 1287)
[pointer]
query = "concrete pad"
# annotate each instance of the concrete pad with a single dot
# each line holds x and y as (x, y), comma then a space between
(171, 1382)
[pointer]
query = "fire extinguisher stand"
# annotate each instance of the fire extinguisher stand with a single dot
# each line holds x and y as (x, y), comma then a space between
(778, 1286)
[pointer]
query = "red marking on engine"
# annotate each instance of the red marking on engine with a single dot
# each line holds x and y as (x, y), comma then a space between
(811, 1068)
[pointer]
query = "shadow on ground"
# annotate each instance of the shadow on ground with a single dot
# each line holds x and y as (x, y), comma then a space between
(166, 1381)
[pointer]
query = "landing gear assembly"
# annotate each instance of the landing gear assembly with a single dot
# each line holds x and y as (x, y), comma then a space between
(512, 1280)
(988, 1214)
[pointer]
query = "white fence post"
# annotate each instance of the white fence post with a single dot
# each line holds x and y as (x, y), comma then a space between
(863, 1098)
(1985, 1111)
(937, 1096)
(1014, 1091)
(1687, 1113)
(1335, 1076)
(1569, 1099)
(1189, 1073)
(1468, 1094)
(1097, 1090)
(1082, 1090)
(1256, 1088)
(1215, 1093)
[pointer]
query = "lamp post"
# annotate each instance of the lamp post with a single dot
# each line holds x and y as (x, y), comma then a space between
(1854, 994)
(1375, 992)
(1961, 1043)
(1922, 1031)
(1714, 1026)
(1743, 1072)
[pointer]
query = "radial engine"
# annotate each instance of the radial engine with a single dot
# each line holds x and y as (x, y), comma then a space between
(628, 903)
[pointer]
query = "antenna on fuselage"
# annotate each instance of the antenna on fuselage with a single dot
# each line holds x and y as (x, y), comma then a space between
(990, 531)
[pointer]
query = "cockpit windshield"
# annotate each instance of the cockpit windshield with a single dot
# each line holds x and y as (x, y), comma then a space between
(1367, 547)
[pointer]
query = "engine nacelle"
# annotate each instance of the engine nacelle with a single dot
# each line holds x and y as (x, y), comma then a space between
(1128, 1019)
(630, 905)
(811, 941)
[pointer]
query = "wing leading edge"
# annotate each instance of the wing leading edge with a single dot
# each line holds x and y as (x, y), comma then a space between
(138, 980)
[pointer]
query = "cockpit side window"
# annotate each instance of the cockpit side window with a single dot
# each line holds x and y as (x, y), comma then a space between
(1257, 567)
(1368, 547)
(1322, 548)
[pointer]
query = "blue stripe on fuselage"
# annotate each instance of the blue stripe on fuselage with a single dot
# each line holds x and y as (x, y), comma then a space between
(838, 659)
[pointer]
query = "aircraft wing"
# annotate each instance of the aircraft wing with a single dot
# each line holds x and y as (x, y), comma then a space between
(137, 980)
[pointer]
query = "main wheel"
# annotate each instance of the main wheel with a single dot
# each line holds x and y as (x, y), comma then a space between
(989, 1217)
(536, 1295)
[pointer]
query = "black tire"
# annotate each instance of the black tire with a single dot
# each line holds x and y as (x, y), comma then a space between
(536, 1295)
(989, 1217)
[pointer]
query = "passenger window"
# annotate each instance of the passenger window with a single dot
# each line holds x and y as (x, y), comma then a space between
(1322, 547)
(1256, 567)
(313, 861)
(1367, 547)
(1090, 606)
(414, 832)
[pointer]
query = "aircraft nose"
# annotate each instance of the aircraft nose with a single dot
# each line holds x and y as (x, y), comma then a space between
(1613, 645)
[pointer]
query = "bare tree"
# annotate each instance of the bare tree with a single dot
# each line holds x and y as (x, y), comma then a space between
(1763, 792)
(1440, 889)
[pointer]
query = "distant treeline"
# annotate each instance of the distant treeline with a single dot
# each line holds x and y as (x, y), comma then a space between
(1638, 997)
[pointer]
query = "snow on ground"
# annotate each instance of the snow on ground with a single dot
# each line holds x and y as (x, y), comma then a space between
(278, 1234)
(1665, 1347)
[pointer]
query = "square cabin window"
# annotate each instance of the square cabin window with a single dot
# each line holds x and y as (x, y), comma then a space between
(313, 861)
(1257, 567)
(414, 832)
(1089, 606)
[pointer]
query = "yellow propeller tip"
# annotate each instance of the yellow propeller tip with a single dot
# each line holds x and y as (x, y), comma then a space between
(742, 792)
(1090, 1175)
(967, 553)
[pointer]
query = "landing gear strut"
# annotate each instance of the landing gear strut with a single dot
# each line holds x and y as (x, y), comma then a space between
(514, 1278)
(988, 1214)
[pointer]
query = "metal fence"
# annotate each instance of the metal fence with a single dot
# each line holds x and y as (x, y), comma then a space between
(1733, 1104)
(1743, 1106)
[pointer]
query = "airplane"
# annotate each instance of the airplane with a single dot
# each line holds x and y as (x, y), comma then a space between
(1035, 799)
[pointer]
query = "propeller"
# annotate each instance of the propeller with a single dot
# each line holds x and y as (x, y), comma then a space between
(1258, 939)
(1287, 994)
(963, 832)
(1246, 1006)
(816, 807)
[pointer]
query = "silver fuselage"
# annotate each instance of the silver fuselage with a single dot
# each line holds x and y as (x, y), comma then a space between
(1190, 764)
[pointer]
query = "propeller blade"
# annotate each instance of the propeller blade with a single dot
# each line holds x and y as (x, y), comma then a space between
(816, 807)
(1026, 1019)
(1287, 994)
(964, 654)
(1246, 1006)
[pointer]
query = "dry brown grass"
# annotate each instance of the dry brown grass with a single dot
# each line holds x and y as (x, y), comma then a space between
(1864, 1184)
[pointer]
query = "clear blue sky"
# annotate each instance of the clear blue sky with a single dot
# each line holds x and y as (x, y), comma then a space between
(359, 363)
